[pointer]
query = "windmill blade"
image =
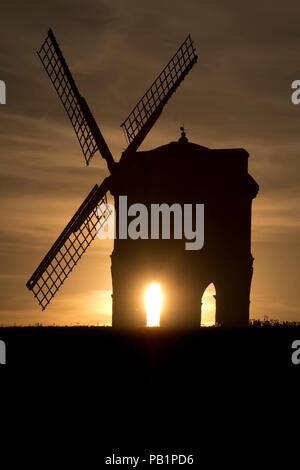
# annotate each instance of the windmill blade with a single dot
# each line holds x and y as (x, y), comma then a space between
(82, 120)
(70, 245)
(142, 118)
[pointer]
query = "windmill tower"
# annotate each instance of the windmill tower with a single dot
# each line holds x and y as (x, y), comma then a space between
(174, 173)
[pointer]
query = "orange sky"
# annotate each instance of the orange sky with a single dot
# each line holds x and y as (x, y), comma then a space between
(237, 95)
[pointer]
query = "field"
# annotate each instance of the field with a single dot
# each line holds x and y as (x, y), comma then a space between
(153, 388)
(153, 352)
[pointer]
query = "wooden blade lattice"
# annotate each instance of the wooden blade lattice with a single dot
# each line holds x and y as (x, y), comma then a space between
(70, 246)
(63, 82)
(143, 116)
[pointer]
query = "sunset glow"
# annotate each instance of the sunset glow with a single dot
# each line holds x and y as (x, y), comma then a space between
(208, 311)
(153, 304)
(113, 60)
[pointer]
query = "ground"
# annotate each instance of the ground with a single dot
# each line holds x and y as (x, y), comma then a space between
(151, 352)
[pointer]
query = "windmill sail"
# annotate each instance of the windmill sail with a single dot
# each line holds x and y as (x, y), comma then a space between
(83, 122)
(142, 118)
(70, 245)
(92, 216)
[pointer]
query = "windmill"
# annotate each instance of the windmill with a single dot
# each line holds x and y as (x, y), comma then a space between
(72, 243)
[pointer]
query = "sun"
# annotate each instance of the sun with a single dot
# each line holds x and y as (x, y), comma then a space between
(153, 304)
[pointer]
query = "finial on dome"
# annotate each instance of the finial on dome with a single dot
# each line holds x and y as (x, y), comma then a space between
(183, 137)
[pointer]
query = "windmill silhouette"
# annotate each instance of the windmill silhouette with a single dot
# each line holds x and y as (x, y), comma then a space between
(82, 228)
(179, 172)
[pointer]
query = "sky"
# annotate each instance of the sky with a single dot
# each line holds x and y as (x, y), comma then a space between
(237, 95)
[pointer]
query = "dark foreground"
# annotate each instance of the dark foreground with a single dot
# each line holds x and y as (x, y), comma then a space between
(210, 391)
(151, 352)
